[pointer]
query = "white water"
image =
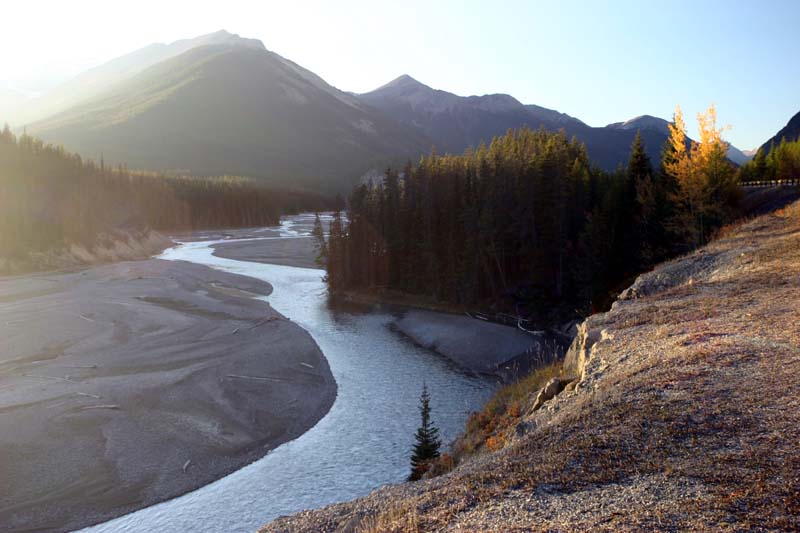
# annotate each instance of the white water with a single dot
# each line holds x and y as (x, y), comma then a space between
(362, 443)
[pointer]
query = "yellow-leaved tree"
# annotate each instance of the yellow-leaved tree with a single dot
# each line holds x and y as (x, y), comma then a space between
(706, 188)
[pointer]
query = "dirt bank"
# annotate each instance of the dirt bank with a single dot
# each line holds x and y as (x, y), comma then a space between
(683, 414)
(128, 384)
(115, 245)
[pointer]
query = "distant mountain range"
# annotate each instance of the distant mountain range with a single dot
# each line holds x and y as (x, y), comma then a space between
(223, 104)
(453, 123)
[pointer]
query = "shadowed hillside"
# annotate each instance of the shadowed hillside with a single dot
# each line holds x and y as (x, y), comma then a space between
(790, 132)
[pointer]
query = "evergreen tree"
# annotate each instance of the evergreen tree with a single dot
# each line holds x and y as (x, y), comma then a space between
(641, 191)
(426, 447)
(320, 246)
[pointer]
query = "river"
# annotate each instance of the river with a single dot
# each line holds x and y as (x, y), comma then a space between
(363, 442)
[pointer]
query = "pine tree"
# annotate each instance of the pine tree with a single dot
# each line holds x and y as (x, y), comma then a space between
(427, 443)
(641, 191)
(319, 246)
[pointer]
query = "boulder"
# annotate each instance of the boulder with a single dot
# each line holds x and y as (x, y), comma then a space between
(550, 391)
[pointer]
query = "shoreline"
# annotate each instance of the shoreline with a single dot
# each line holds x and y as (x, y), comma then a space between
(133, 383)
(475, 346)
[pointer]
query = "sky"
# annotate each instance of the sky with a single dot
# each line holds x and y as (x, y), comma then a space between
(600, 61)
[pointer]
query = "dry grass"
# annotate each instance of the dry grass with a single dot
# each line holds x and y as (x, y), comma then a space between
(491, 428)
(687, 416)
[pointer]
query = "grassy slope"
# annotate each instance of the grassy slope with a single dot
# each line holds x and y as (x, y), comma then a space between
(686, 415)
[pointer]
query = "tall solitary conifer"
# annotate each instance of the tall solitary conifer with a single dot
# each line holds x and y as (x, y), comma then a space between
(427, 443)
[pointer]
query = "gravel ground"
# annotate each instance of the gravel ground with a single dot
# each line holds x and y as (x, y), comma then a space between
(131, 383)
(685, 414)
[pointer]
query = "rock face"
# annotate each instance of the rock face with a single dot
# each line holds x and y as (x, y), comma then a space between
(550, 391)
(684, 414)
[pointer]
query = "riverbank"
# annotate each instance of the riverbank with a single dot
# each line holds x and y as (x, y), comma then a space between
(681, 413)
(479, 346)
(476, 346)
(131, 383)
(109, 247)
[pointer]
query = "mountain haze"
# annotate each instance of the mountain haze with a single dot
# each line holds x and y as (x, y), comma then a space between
(233, 109)
(10, 103)
(97, 80)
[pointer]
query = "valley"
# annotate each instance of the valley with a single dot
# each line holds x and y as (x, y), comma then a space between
(535, 281)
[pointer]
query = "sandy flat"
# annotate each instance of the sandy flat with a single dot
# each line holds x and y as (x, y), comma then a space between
(131, 383)
(289, 251)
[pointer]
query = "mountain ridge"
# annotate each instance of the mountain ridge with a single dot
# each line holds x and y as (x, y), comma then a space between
(280, 106)
(790, 132)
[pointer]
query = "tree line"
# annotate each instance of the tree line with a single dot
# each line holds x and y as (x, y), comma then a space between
(780, 162)
(527, 223)
(49, 197)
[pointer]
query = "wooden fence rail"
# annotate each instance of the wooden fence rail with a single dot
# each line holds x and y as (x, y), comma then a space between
(770, 183)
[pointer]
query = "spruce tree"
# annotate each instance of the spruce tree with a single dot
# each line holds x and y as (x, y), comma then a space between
(320, 246)
(427, 443)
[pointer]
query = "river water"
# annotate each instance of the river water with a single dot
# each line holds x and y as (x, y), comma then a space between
(365, 440)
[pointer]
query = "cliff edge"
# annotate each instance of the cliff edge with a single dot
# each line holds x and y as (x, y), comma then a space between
(682, 411)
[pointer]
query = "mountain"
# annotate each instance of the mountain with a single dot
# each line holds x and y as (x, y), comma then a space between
(790, 132)
(642, 122)
(738, 156)
(649, 122)
(455, 122)
(223, 104)
(99, 79)
(233, 108)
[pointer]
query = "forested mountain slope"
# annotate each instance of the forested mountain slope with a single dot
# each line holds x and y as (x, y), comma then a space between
(58, 210)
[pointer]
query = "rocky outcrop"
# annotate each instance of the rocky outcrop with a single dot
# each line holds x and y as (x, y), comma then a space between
(550, 391)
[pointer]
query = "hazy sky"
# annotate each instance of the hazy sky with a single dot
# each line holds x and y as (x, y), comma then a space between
(601, 61)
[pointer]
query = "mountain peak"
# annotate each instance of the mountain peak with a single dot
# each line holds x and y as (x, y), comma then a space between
(403, 82)
(220, 37)
(642, 122)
